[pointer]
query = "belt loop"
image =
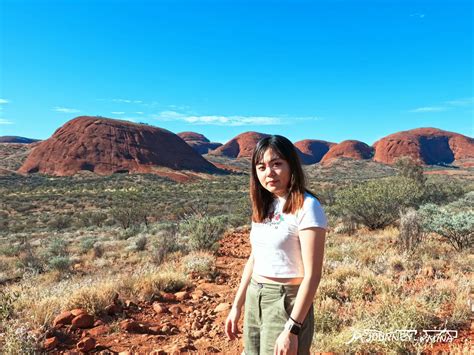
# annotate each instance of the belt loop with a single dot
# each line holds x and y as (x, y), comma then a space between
(282, 289)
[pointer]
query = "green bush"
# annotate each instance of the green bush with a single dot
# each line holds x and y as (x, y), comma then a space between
(203, 232)
(200, 263)
(410, 169)
(454, 225)
(377, 203)
(86, 244)
(60, 222)
(60, 263)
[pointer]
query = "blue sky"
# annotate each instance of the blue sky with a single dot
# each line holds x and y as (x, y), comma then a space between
(322, 69)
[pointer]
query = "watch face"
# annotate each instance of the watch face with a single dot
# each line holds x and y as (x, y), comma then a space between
(295, 329)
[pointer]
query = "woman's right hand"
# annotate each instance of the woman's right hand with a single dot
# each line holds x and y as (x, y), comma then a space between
(231, 323)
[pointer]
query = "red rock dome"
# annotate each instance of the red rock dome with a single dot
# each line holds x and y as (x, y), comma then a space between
(311, 151)
(348, 149)
(198, 142)
(106, 146)
(240, 146)
(425, 145)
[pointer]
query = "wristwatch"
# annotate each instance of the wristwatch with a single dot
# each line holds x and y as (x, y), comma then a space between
(293, 327)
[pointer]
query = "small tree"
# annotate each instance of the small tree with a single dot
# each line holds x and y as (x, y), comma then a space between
(409, 168)
(455, 226)
(377, 203)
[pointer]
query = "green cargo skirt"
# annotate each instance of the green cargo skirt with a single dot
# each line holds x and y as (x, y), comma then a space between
(267, 308)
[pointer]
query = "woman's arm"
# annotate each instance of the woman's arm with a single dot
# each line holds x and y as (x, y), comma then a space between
(231, 323)
(312, 252)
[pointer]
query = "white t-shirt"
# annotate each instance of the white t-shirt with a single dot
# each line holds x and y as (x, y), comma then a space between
(275, 242)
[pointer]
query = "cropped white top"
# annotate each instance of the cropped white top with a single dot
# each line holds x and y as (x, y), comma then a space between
(275, 242)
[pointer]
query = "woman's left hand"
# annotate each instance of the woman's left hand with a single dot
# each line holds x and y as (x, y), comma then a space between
(286, 344)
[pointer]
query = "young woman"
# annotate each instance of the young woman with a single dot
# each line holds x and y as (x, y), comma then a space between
(283, 271)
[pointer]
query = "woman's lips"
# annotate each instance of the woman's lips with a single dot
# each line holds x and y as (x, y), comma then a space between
(272, 182)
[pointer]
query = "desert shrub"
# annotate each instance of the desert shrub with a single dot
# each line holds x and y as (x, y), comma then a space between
(408, 168)
(57, 247)
(98, 250)
(376, 203)
(131, 209)
(86, 244)
(203, 232)
(10, 250)
(441, 193)
(411, 232)
(140, 243)
(132, 231)
(166, 242)
(60, 263)
(455, 226)
(89, 218)
(4, 220)
(7, 303)
(200, 263)
(60, 222)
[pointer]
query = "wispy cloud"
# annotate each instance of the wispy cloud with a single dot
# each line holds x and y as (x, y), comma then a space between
(139, 113)
(417, 15)
(220, 120)
(127, 101)
(446, 105)
(4, 101)
(65, 109)
(429, 109)
(117, 112)
(461, 102)
(5, 121)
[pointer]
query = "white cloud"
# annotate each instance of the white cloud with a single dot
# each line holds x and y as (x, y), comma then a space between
(139, 113)
(118, 112)
(4, 101)
(127, 101)
(65, 109)
(220, 120)
(447, 105)
(429, 109)
(461, 102)
(5, 121)
(417, 15)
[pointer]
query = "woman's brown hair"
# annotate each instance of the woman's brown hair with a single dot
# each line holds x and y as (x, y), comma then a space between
(261, 198)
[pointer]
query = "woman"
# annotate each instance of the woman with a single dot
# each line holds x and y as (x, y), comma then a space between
(283, 271)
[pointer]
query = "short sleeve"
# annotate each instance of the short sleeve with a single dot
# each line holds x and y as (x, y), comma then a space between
(311, 215)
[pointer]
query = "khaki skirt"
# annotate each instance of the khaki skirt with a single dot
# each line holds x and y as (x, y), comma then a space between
(267, 308)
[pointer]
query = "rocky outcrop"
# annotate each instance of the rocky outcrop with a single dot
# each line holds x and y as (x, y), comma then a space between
(106, 146)
(425, 145)
(311, 151)
(199, 142)
(241, 146)
(348, 149)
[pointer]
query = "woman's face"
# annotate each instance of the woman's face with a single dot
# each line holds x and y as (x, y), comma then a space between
(274, 173)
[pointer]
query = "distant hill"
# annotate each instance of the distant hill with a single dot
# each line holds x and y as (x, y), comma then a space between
(198, 142)
(426, 145)
(16, 139)
(241, 146)
(106, 146)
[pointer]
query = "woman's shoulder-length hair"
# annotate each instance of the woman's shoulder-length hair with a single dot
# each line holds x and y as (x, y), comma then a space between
(260, 197)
